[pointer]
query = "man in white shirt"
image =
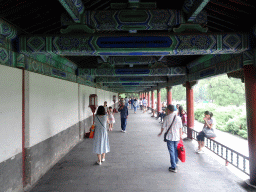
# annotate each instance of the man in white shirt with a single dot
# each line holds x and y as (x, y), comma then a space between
(173, 136)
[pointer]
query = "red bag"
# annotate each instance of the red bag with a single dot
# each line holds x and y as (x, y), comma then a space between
(181, 151)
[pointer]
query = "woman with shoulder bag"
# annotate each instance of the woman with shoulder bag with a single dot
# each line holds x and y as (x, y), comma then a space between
(206, 132)
(101, 141)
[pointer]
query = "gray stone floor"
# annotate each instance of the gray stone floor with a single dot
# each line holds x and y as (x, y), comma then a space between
(138, 161)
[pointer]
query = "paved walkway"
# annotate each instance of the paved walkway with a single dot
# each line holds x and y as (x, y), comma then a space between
(138, 161)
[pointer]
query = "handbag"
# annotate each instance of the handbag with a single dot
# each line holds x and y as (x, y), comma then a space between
(181, 151)
(209, 132)
(165, 134)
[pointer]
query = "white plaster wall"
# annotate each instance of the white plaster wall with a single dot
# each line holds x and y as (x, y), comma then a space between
(53, 106)
(10, 112)
(84, 93)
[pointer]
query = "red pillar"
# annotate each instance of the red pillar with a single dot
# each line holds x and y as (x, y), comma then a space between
(159, 106)
(250, 92)
(148, 100)
(190, 109)
(169, 95)
(152, 99)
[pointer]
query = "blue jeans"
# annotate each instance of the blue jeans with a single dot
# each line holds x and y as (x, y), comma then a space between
(135, 108)
(172, 148)
(123, 123)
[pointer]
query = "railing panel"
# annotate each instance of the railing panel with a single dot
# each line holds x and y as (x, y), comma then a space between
(231, 156)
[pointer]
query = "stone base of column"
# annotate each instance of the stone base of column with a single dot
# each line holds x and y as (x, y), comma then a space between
(248, 183)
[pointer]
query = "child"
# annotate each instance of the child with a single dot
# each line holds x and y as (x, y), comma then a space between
(111, 119)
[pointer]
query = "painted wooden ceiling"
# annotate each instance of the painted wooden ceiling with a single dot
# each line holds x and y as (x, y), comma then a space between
(32, 17)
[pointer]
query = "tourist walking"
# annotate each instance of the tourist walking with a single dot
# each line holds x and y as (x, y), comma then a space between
(144, 103)
(172, 126)
(208, 131)
(106, 106)
(135, 103)
(111, 119)
(126, 101)
(132, 101)
(140, 103)
(100, 140)
(124, 115)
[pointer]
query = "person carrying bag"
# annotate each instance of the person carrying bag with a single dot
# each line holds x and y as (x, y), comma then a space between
(173, 126)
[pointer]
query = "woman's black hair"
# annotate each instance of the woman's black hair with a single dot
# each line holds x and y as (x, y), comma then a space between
(100, 110)
(180, 109)
(208, 113)
(110, 107)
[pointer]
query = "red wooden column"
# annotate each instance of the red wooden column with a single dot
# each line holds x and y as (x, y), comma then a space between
(190, 108)
(152, 99)
(169, 95)
(250, 92)
(148, 100)
(159, 106)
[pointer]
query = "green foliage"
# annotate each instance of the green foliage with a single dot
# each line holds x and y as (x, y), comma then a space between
(220, 90)
(179, 93)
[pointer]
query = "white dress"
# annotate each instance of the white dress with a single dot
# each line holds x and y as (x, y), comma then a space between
(100, 139)
(111, 118)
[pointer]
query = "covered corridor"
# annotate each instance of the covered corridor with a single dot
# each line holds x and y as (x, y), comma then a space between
(138, 161)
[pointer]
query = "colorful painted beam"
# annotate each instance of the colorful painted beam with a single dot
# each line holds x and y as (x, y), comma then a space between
(7, 30)
(132, 72)
(193, 9)
(128, 19)
(75, 8)
(135, 60)
(129, 84)
(219, 65)
(131, 79)
(137, 45)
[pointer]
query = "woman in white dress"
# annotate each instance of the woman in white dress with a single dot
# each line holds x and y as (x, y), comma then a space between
(101, 141)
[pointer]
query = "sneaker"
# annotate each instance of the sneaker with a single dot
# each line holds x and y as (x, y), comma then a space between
(201, 151)
(102, 160)
(196, 150)
(172, 170)
(124, 131)
(98, 162)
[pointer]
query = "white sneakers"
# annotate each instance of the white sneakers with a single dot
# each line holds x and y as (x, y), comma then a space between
(199, 151)
(102, 160)
(99, 163)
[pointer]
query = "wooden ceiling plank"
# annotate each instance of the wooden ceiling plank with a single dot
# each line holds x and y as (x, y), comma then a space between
(230, 7)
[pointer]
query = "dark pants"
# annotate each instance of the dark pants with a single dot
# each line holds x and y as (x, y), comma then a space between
(123, 123)
(200, 136)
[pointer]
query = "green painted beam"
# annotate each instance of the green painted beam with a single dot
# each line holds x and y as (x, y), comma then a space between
(131, 79)
(157, 44)
(75, 8)
(104, 72)
(6, 30)
(192, 8)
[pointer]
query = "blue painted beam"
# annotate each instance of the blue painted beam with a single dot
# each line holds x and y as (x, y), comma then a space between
(75, 8)
(132, 72)
(137, 44)
(131, 79)
(192, 8)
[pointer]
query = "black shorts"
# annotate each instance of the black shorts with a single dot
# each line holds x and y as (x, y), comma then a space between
(200, 136)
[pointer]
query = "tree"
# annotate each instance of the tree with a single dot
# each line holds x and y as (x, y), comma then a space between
(221, 90)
